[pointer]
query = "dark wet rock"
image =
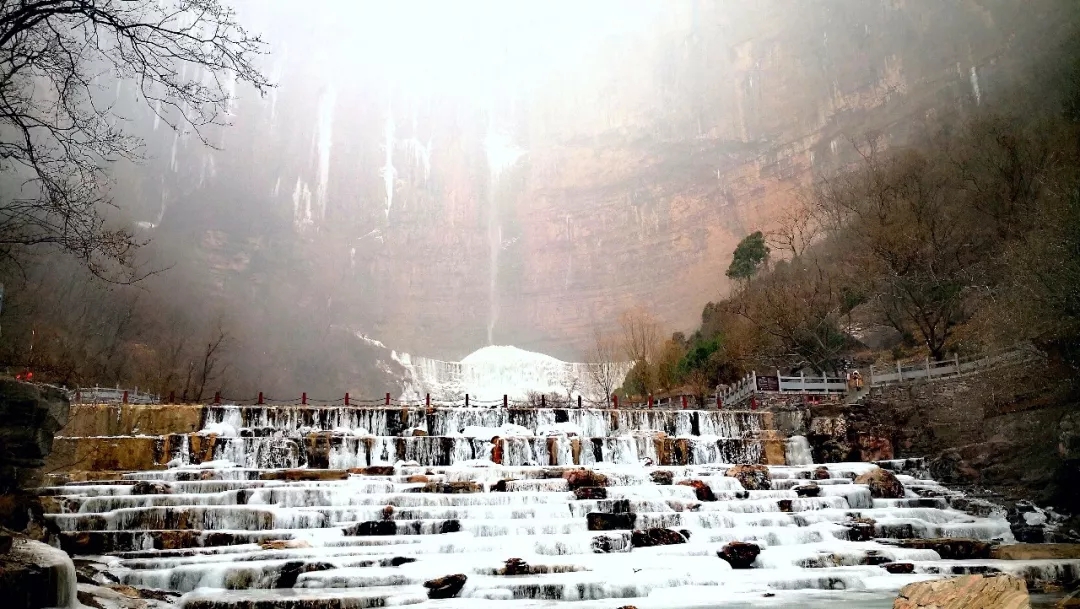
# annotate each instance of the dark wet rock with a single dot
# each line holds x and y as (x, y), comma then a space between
(30, 415)
(599, 521)
(150, 487)
(450, 526)
(784, 505)
(662, 477)
(515, 566)
(655, 537)
(616, 506)
(860, 529)
(372, 527)
(899, 568)
(24, 582)
(1032, 524)
(808, 490)
(882, 483)
(452, 488)
(500, 486)
(685, 533)
(602, 544)
(24, 513)
(305, 475)
(752, 477)
(374, 470)
(590, 492)
(397, 561)
(950, 548)
(445, 587)
(6, 542)
(821, 473)
(703, 491)
(580, 478)
(950, 468)
(740, 554)
(291, 570)
(212, 539)
(388, 512)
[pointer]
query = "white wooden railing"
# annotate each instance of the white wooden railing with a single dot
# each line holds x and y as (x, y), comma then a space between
(947, 368)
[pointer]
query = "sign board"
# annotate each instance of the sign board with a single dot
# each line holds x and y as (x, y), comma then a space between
(768, 383)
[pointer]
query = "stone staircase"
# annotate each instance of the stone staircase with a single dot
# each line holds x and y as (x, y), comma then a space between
(287, 507)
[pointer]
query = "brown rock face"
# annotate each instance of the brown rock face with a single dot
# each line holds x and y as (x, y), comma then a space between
(740, 554)
(860, 529)
(599, 521)
(808, 490)
(454, 488)
(899, 568)
(285, 544)
(821, 473)
(1036, 551)
(374, 470)
(883, 484)
(703, 491)
(752, 477)
(661, 477)
(584, 477)
(655, 537)
(445, 587)
(999, 591)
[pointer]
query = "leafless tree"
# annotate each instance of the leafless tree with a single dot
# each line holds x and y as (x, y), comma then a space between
(59, 130)
(605, 369)
(797, 228)
(209, 367)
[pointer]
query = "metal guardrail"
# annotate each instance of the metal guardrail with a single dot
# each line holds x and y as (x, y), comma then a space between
(112, 395)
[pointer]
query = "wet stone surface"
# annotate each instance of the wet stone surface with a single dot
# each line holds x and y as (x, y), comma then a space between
(570, 516)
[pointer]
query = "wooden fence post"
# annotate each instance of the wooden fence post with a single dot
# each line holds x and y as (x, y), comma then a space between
(346, 399)
(927, 367)
(303, 398)
(260, 398)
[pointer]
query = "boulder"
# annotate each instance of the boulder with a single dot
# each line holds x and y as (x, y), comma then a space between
(821, 473)
(899, 568)
(397, 561)
(599, 521)
(590, 492)
(387, 512)
(515, 566)
(739, 554)
(284, 544)
(445, 587)
(291, 570)
(30, 415)
(752, 477)
(950, 468)
(500, 486)
(418, 479)
(950, 548)
(1000, 591)
(1036, 551)
(655, 537)
(150, 487)
(29, 574)
(784, 505)
(23, 512)
(883, 484)
(452, 525)
(701, 490)
(662, 477)
(579, 478)
(860, 529)
(874, 448)
(808, 490)
(371, 527)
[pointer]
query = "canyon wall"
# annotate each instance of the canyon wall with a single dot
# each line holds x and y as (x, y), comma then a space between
(380, 210)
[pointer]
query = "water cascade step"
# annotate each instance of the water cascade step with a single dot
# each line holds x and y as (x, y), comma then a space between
(333, 507)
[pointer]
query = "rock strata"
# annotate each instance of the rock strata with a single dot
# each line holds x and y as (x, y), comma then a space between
(999, 591)
(656, 537)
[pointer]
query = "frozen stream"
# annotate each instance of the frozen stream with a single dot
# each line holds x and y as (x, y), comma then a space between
(250, 536)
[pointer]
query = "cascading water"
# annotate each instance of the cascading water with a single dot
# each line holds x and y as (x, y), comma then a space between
(463, 490)
(501, 155)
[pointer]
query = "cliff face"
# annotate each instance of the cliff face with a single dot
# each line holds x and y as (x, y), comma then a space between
(644, 166)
